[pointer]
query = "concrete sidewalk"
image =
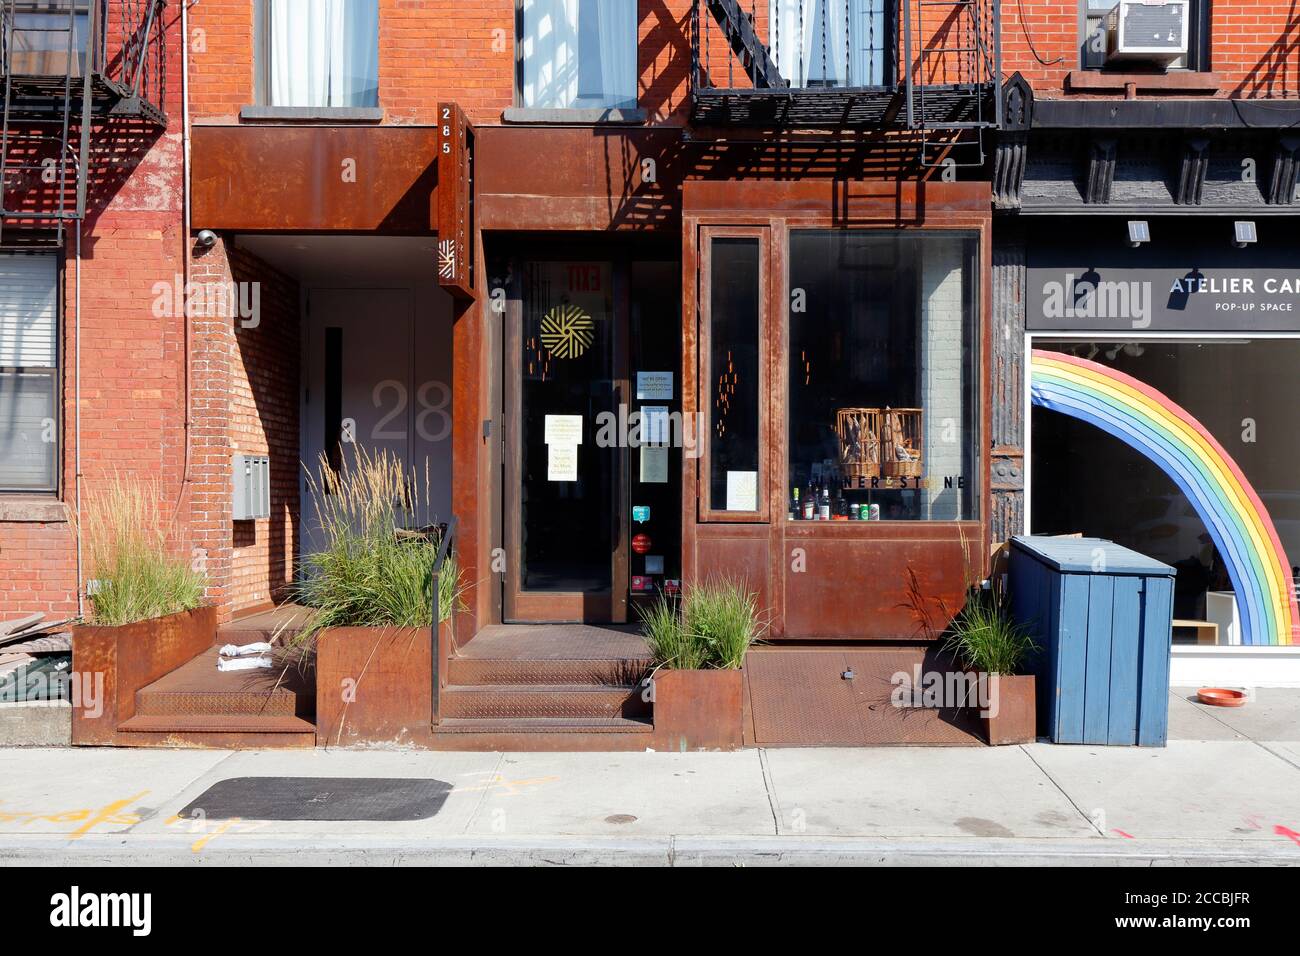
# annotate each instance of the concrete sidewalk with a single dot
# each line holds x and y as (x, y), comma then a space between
(1227, 791)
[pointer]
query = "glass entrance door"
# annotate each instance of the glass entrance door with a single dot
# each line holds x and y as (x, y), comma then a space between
(565, 377)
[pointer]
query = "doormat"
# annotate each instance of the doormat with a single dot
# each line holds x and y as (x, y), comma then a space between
(387, 799)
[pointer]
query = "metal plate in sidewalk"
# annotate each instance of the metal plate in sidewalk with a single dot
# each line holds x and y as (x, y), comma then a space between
(320, 798)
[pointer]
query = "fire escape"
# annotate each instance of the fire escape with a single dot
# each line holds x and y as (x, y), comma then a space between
(69, 67)
(931, 67)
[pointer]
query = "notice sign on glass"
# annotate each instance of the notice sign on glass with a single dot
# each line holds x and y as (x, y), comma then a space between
(563, 430)
(655, 425)
(654, 465)
(654, 386)
(742, 491)
(562, 463)
(563, 436)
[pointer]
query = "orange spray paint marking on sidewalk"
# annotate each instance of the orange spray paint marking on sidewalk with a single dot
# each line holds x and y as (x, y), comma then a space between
(89, 817)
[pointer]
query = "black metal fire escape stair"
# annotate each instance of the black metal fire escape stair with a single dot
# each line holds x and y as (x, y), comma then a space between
(937, 75)
(738, 31)
(35, 149)
(48, 117)
(965, 55)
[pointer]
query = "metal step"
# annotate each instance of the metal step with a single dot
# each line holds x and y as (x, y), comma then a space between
(216, 724)
(464, 671)
(198, 689)
(546, 725)
(542, 701)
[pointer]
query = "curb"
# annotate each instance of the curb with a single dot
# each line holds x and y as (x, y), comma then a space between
(231, 850)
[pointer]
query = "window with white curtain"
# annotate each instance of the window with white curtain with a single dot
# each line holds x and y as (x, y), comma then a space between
(577, 54)
(29, 372)
(831, 43)
(320, 53)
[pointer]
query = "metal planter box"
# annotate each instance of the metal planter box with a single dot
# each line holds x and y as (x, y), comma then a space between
(1101, 616)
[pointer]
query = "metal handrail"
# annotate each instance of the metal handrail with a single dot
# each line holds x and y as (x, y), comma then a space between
(437, 664)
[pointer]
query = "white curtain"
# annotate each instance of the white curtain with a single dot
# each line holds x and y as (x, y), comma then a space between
(324, 52)
(811, 48)
(578, 54)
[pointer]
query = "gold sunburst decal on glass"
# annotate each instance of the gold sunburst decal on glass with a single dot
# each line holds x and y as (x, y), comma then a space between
(567, 331)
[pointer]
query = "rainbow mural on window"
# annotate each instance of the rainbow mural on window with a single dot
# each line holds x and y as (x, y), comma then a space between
(1236, 519)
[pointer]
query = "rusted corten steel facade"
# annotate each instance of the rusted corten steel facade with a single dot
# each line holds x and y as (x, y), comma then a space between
(725, 134)
(449, 155)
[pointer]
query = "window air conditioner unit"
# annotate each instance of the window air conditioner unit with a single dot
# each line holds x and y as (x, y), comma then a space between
(1152, 31)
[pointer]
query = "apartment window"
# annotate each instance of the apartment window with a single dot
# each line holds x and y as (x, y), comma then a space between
(319, 53)
(42, 32)
(28, 372)
(1096, 24)
(577, 54)
(832, 43)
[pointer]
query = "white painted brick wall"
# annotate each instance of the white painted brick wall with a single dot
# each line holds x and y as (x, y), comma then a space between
(942, 395)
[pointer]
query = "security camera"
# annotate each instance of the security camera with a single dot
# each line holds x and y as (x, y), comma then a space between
(206, 239)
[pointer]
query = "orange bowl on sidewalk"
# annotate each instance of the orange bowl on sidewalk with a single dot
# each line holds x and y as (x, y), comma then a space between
(1221, 696)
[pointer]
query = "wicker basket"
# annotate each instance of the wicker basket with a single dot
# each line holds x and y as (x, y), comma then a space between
(859, 433)
(901, 445)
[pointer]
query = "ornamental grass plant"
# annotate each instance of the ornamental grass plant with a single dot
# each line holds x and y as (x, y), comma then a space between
(136, 571)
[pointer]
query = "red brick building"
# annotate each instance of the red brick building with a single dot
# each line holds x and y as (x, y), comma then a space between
(309, 226)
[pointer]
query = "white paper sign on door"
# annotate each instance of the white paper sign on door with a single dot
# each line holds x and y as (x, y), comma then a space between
(562, 463)
(654, 386)
(563, 430)
(742, 491)
(563, 436)
(655, 428)
(654, 465)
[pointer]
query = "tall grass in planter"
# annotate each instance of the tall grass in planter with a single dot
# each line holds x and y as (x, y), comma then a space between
(369, 571)
(713, 626)
(137, 573)
(985, 636)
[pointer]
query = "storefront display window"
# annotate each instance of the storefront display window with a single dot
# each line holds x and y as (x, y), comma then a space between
(883, 377)
(1185, 450)
(732, 382)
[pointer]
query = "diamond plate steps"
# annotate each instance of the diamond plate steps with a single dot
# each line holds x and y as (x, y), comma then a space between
(466, 671)
(546, 725)
(217, 724)
(541, 701)
(547, 687)
(197, 688)
(545, 735)
(278, 625)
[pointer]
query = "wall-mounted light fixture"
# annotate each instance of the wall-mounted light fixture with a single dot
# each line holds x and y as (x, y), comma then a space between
(1138, 232)
(1243, 233)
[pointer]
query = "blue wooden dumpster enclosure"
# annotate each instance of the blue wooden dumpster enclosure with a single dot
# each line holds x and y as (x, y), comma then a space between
(1101, 616)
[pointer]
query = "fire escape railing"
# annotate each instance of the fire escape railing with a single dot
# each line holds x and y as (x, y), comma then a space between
(952, 43)
(131, 52)
(918, 64)
(63, 65)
